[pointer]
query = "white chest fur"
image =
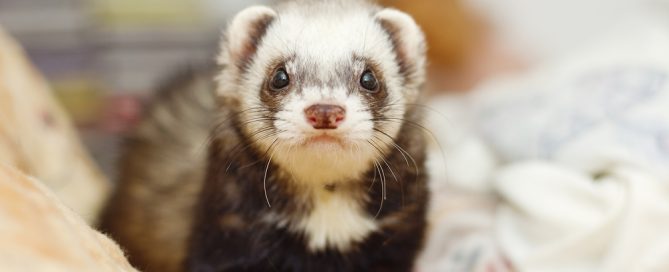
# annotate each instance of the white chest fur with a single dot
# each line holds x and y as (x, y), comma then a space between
(336, 221)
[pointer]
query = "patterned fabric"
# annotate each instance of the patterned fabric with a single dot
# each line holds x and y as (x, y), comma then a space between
(461, 234)
(575, 152)
(37, 137)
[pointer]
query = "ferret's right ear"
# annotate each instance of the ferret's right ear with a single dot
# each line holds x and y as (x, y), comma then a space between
(408, 41)
(244, 34)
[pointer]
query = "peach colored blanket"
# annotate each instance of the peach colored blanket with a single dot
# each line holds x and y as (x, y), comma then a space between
(39, 233)
(41, 225)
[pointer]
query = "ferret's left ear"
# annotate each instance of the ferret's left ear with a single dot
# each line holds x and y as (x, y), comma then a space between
(244, 35)
(408, 41)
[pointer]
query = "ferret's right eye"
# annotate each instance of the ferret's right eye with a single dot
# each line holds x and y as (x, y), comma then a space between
(280, 80)
(369, 82)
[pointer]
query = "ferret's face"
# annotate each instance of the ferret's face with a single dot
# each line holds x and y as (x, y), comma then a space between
(323, 93)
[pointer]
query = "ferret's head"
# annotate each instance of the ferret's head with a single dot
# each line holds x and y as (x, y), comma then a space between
(322, 87)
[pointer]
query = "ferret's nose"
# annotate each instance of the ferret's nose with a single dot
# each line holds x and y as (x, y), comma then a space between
(322, 116)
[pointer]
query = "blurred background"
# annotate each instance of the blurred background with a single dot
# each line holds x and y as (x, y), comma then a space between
(103, 58)
(548, 102)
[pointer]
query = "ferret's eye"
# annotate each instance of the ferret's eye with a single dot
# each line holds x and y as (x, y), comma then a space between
(369, 82)
(280, 79)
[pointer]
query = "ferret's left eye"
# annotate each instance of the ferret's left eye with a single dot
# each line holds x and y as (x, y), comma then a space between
(369, 82)
(280, 79)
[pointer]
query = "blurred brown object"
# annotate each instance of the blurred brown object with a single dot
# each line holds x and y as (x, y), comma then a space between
(39, 233)
(38, 138)
(461, 50)
(450, 29)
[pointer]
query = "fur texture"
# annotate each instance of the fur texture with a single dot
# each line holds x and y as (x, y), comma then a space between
(277, 193)
(161, 173)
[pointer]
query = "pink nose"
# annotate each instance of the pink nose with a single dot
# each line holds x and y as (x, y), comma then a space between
(325, 116)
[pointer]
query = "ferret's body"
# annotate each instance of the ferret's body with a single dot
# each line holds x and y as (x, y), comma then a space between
(237, 231)
(315, 152)
(161, 174)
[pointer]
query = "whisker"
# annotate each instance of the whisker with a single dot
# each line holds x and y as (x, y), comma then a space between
(264, 181)
(398, 148)
(402, 151)
(264, 154)
(412, 123)
(230, 115)
(377, 167)
(382, 155)
(237, 151)
(373, 179)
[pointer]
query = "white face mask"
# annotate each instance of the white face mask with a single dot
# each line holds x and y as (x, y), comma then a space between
(549, 28)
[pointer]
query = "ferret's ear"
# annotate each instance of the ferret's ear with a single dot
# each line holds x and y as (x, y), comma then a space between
(408, 42)
(244, 34)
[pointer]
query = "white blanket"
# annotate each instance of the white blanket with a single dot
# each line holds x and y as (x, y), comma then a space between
(577, 152)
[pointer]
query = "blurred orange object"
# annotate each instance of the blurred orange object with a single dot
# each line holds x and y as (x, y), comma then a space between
(450, 29)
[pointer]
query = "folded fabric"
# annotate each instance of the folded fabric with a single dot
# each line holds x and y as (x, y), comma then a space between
(558, 219)
(577, 151)
(584, 149)
(39, 233)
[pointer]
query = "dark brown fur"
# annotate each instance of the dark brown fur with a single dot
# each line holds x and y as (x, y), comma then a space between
(161, 172)
(184, 203)
(230, 235)
(151, 213)
(257, 32)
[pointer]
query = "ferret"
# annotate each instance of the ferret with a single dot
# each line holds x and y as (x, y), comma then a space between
(306, 154)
